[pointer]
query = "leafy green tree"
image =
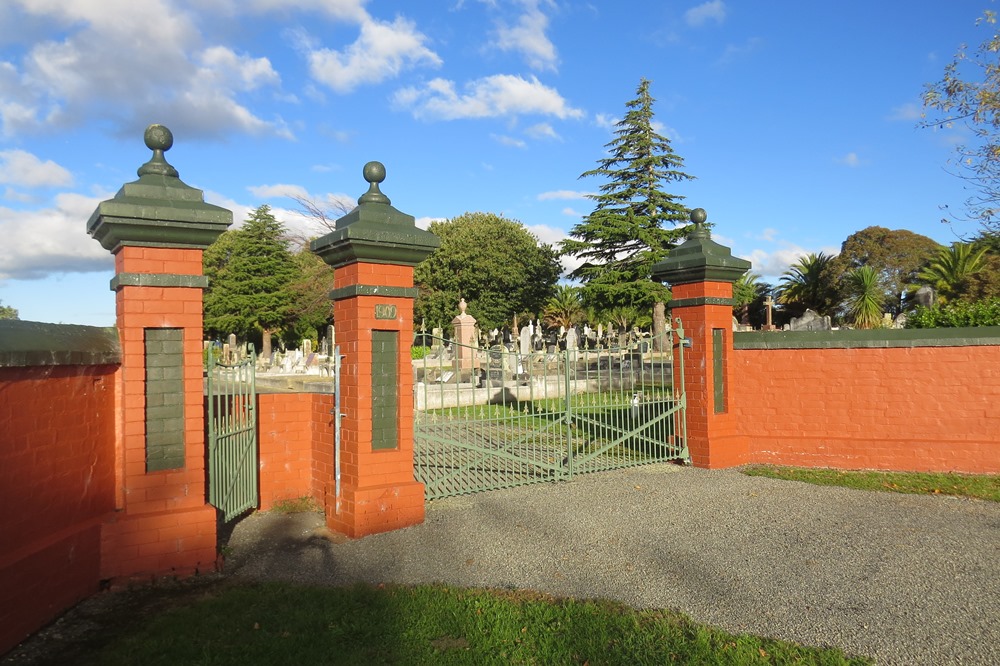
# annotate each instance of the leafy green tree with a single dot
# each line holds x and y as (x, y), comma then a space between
(896, 256)
(745, 292)
(950, 270)
(564, 308)
(7, 312)
(957, 314)
(250, 273)
(808, 285)
(969, 94)
(635, 222)
(494, 263)
(311, 309)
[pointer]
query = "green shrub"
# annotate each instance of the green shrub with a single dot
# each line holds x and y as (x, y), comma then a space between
(417, 353)
(957, 314)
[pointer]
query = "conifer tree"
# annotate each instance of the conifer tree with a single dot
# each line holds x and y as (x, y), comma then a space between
(635, 222)
(250, 273)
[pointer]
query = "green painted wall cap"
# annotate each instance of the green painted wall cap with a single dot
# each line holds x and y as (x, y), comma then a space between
(699, 258)
(159, 207)
(375, 231)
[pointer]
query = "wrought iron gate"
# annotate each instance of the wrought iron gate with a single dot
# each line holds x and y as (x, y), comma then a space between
(497, 418)
(232, 435)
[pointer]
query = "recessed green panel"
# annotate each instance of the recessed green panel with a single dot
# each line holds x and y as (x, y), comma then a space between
(164, 409)
(385, 389)
(718, 369)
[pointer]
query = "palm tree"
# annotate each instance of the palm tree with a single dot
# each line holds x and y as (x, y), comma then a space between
(745, 292)
(950, 270)
(565, 308)
(866, 297)
(807, 284)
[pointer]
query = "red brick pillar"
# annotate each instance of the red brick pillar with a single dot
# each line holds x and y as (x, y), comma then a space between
(701, 274)
(157, 228)
(373, 251)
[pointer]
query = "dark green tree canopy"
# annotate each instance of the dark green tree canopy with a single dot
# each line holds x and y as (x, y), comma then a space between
(635, 222)
(494, 263)
(250, 273)
(897, 256)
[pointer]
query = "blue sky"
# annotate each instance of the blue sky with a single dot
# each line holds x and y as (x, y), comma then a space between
(798, 119)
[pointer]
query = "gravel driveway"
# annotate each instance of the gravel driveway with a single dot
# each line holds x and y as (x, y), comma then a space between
(903, 578)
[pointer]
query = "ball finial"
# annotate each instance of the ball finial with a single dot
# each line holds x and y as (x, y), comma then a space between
(374, 172)
(698, 216)
(158, 137)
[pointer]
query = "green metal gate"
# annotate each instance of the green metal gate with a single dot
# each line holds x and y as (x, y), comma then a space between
(232, 435)
(496, 418)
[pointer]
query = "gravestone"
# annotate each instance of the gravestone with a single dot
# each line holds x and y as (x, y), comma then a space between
(810, 321)
(525, 346)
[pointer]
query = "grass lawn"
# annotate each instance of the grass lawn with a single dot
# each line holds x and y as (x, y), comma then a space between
(979, 486)
(276, 623)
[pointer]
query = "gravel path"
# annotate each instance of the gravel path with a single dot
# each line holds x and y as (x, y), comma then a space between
(905, 579)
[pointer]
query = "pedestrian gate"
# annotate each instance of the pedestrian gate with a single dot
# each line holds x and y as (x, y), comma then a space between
(232, 435)
(500, 417)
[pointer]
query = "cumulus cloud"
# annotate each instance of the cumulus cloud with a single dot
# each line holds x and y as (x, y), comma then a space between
(382, 51)
(542, 131)
(770, 264)
(494, 96)
(18, 167)
(99, 68)
(278, 190)
(527, 37)
(40, 242)
(714, 10)
(605, 120)
(505, 140)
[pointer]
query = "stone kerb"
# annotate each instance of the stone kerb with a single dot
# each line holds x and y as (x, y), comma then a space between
(373, 250)
(701, 274)
(157, 229)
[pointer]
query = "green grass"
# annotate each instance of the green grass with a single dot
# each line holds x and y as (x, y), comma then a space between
(296, 505)
(985, 487)
(276, 623)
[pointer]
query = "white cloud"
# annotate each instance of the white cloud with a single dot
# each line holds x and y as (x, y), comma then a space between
(18, 167)
(546, 234)
(571, 212)
(40, 242)
(563, 194)
(542, 131)
(490, 97)
(346, 10)
(382, 51)
(714, 10)
(528, 37)
(771, 264)
(425, 222)
(99, 68)
(278, 190)
(605, 120)
(508, 141)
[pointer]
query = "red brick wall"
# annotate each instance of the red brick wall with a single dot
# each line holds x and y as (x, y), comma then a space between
(57, 480)
(901, 408)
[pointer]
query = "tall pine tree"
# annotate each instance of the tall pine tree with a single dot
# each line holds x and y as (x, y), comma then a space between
(251, 272)
(635, 223)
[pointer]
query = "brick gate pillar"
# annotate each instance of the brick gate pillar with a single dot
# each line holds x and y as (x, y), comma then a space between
(157, 228)
(373, 250)
(701, 274)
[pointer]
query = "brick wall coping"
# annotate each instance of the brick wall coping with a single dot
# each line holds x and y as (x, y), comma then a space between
(33, 343)
(882, 338)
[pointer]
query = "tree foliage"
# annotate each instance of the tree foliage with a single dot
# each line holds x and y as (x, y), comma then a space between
(808, 284)
(950, 271)
(250, 273)
(7, 312)
(564, 308)
(969, 94)
(494, 263)
(865, 298)
(957, 314)
(634, 222)
(896, 256)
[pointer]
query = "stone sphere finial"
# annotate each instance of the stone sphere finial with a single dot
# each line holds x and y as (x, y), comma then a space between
(699, 217)
(159, 139)
(374, 173)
